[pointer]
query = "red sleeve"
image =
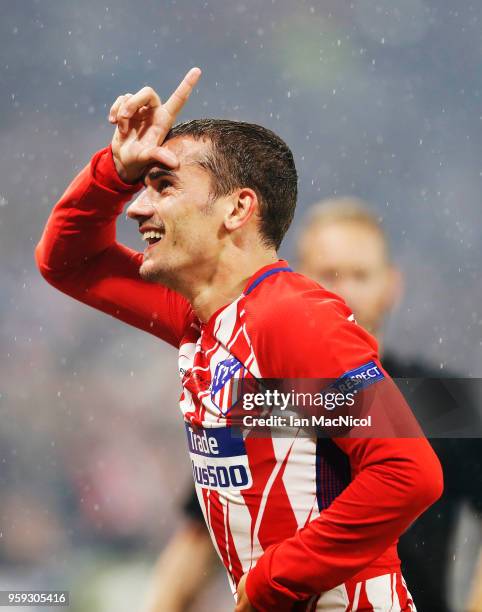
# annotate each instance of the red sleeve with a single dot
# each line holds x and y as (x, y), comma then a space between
(393, 479)
(78, 254)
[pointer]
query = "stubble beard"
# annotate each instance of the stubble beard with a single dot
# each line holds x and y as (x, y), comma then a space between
(158, 272)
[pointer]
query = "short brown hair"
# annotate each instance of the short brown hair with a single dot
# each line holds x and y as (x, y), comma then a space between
(249, 155)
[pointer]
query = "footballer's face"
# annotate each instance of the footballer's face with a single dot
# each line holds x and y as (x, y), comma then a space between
(177, 218)
(350, 259)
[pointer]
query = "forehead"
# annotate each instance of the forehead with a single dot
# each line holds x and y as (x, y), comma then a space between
(338, 242)
(187, 149)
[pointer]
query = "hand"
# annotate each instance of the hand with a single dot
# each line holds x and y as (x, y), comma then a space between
(142, 124)
(243, 604)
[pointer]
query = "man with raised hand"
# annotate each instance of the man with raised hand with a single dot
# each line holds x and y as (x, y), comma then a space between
(300, 523)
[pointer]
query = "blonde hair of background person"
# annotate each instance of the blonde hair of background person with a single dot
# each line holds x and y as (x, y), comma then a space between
(356, 265)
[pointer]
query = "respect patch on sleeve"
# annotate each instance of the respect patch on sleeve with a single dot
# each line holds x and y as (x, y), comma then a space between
(358, 378)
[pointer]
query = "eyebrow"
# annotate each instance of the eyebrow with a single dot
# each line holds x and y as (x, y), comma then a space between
(157, 173)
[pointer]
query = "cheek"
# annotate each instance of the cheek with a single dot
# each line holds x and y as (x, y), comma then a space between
(192, 233)
(363, 297)
(375, 299)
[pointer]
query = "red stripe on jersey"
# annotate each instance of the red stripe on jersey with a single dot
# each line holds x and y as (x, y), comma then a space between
(218, 527)
(279, 520)
(205, 494)
(350, 590)
(262, 460)
(233, 555)
(364, 604)
(406, 602)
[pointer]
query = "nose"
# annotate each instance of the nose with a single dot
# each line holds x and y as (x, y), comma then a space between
(141, 208)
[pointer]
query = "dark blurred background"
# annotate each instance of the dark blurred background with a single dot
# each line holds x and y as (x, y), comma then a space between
(377, 98)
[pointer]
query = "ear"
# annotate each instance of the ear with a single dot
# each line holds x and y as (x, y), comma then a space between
(242, 205)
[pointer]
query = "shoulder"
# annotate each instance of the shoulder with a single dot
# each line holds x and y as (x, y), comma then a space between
(286, 298)
(298, 328)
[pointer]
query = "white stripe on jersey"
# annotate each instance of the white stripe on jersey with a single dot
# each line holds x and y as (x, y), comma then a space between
(226, 321)
(206, 511)
(251, 362)
(334, 600)
(379, 593)
(186, 356)
(356, 598)
(240, 522)
(301, 491)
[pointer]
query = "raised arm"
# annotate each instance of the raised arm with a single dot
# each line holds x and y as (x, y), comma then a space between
(78, 252)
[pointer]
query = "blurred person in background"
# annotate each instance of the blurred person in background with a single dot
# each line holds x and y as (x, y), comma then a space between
(343, 246)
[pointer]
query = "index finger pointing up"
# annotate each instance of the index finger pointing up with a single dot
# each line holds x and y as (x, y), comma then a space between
(181, 94)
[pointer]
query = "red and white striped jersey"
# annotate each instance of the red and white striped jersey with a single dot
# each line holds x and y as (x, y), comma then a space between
(301, 515)
(386, 593)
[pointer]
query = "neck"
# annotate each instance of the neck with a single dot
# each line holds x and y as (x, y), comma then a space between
(218, 282)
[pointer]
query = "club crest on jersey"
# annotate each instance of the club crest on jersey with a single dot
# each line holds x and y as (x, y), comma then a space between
(227, 384)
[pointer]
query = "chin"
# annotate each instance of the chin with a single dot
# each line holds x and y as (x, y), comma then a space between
(149, 271)
(153, 272)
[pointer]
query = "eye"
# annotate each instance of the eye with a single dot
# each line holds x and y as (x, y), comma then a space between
(163, 185)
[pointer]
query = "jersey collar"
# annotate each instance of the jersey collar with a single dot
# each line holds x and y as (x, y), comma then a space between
(258, 277)
(279, 266)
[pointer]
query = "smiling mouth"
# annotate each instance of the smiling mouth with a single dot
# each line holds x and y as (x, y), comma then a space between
(153, 236)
